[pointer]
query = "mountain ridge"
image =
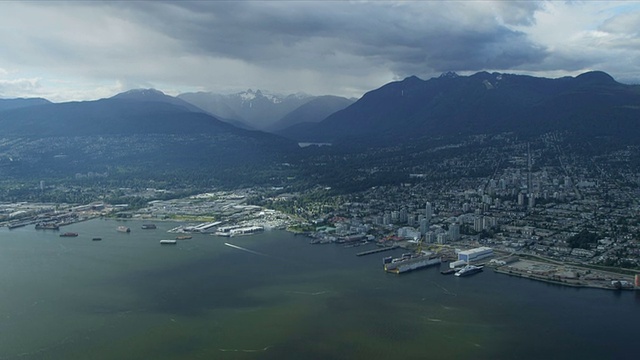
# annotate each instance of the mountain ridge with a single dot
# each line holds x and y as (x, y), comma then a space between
(481, 102)
(154, 139)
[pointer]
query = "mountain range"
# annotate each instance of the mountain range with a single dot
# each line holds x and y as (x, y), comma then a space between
(590, 104)
(8, 104)
(146, 134)
(139, 133)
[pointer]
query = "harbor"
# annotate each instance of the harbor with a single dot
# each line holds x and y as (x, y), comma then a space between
(229, 297)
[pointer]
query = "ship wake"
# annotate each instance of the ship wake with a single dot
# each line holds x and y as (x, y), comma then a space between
(245, 249)
(246, 350)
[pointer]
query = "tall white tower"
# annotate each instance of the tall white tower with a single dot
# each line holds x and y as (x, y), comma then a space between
(428, 212)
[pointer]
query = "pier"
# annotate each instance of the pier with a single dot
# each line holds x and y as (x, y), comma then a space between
(378, 250)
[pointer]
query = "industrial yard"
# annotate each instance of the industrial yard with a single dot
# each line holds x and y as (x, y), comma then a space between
(569, 275)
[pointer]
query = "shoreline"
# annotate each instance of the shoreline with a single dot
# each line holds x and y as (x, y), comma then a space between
(511, 272)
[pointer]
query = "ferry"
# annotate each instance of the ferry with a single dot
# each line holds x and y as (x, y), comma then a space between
(168, 242)
(469, 270)
(123, 229)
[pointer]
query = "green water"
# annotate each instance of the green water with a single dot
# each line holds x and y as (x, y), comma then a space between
(127, 297)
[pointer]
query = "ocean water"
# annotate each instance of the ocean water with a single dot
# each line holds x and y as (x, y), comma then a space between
(275, 296)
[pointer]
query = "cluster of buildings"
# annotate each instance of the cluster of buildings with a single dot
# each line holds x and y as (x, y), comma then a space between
(530, 204)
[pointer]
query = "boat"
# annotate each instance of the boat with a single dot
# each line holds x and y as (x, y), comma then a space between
(469, 270)
(124, 229)
(96, 239)
(448, 271)
(148, 226)
(168, 242)
(69, 234)
(183, 237)
(47, 226)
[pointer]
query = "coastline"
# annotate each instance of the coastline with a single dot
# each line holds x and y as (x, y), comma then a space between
(567, 282)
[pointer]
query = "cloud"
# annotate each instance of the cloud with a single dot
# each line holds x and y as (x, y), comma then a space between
(582, 36)
(338, 47)
(21, 87)
(437, 36)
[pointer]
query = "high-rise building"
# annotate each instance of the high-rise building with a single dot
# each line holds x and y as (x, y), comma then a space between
(424, 226)
(489, 222)
(478, 224)
(386, 219)
(430, 237)
(428, 212)
(403, 215)
(442, 238)
(454, 231)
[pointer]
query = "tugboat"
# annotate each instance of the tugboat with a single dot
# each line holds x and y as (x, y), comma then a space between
(448, 271)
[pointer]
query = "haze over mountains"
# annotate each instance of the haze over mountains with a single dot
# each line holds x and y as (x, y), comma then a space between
(264, 111)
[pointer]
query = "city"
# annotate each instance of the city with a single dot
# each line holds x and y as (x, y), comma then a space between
(568, 213)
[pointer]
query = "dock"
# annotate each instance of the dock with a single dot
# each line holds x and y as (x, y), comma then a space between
(378, 250)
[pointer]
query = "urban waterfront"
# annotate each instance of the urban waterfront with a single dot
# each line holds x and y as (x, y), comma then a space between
(127, 296)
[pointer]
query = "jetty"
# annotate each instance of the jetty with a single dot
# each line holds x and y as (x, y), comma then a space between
(378, 250)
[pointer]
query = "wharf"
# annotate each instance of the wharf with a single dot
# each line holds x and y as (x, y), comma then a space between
(378, 250)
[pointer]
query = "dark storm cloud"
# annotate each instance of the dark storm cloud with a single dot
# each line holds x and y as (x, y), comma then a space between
(406, 37)
(89, 49)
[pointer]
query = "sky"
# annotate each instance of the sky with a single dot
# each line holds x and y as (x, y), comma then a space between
(86, 50)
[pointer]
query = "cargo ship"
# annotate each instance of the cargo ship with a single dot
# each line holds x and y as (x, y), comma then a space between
(69, 234)
(123, 229)
(409, 262)
(469, 270)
